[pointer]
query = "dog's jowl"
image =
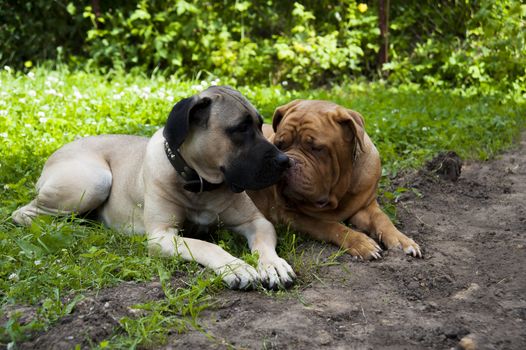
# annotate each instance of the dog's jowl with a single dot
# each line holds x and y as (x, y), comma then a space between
(195, 168)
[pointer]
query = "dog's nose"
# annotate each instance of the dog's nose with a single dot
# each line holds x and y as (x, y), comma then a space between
(282, 160)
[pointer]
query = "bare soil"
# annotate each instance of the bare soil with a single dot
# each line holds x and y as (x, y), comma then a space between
(468, 290)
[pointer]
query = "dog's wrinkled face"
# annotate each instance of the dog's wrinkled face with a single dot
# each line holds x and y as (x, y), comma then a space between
(321, 139)
(222, 140)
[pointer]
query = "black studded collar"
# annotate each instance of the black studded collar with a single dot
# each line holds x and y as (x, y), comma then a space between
(193, 182)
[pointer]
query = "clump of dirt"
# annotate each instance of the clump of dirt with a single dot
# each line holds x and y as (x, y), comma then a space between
(467, 292)
(448, 165)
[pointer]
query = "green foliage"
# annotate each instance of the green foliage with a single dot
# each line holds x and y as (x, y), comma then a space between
(223, 39)
(32, 31)
(310, 56)
(471, 46)
(477, 47)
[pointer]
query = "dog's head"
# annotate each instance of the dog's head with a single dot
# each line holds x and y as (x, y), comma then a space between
(218, 132)
(321, 139)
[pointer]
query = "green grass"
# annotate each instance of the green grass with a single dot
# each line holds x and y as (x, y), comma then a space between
(60, 257)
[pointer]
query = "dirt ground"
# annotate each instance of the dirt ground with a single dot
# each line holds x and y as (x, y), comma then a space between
(469, 289)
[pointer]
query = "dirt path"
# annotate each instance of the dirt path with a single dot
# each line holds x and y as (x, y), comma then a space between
(470, 285)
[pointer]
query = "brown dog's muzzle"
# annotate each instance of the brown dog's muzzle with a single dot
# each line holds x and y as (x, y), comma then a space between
(301, 186)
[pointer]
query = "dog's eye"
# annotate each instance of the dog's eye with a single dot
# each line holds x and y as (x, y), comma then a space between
(242, 127)
(279, 144)
(317, 148)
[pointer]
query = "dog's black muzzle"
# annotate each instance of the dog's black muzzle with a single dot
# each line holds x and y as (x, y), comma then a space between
(260, 166)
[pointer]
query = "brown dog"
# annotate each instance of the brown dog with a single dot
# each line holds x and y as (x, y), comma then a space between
(333, 178)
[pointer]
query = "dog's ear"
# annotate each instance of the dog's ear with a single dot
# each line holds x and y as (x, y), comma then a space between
(281, 111)
(355, 122)
(182, 114)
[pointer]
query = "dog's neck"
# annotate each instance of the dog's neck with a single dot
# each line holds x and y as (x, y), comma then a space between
(193, 182)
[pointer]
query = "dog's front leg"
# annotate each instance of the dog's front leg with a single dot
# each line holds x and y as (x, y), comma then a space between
(163, 239)
(244, 218)
(356, 243)
(373, 220)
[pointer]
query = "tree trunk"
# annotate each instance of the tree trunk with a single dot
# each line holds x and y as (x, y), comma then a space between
(95, 7)
(383, 54)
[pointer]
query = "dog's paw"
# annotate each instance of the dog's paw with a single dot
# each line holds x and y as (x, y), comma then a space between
(401, 241)
(238, 275)
(410, 247)
(276, 273)
(361, 246)
(21, 217)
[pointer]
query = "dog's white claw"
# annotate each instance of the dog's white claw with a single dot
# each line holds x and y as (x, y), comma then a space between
(417, 252)
(377, 255)
(263, 275)
(273, 279)
(238, 274)
(410, 247)
(414, 251)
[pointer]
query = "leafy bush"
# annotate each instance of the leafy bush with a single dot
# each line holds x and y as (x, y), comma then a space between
(308, 56)
(227, 39)
(471, 46)
(476, 47)
(37, 30)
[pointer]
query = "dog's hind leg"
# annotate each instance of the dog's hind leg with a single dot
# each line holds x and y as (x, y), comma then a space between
(68, 186)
